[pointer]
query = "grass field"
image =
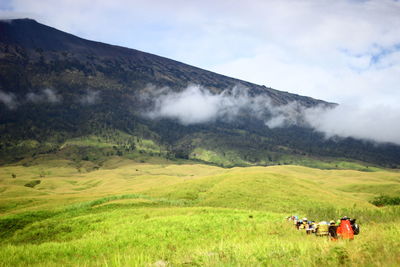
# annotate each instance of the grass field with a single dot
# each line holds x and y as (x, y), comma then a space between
(129, 213)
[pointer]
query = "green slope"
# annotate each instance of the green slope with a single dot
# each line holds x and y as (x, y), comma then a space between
(141, 214)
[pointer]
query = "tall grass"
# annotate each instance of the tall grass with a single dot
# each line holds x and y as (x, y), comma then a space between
(363, 215)
(190, 236)
(191, 215)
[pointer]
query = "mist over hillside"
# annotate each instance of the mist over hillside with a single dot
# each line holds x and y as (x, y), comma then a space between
(55, 87)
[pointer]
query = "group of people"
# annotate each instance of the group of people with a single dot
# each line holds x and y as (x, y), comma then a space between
(345, 228)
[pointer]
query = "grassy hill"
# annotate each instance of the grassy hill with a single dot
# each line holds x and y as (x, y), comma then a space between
(159, 214)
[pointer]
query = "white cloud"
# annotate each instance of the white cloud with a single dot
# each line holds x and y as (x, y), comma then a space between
(196, 105)
(8, 99)
(51, 96)
(90, 97)
(375, 123)
(46, 95)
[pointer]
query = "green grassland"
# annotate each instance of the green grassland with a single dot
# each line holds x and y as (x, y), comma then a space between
(130, 213)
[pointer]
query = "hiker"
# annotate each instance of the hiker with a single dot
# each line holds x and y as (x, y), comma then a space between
(299, 224)
(346, 228)
(304, 224)
(295, 220)
(345, 231)
(313, 227)
(322, 229)
(309, 228)
(332, 229)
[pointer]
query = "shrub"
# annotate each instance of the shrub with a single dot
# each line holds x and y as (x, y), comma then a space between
(33, 183)
(383, 200)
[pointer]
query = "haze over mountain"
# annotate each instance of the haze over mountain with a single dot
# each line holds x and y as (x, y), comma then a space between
(55, 87)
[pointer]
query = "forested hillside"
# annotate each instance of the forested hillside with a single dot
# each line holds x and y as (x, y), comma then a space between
(73, 98)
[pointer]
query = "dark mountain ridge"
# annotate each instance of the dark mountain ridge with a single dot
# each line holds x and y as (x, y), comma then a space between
(58, 87)
(37, 39)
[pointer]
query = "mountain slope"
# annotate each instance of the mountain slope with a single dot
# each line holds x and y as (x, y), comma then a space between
(37, 40)
(56, 87)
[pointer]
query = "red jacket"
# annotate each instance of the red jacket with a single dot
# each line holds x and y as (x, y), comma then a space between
(345, 230)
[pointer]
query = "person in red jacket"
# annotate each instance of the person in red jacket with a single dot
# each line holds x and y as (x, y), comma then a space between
(345, 231)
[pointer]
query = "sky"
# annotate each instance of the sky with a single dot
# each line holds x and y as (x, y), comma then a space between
(342, 51)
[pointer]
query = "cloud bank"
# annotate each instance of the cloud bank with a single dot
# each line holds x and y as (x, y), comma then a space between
(196, 105)
(378, 123)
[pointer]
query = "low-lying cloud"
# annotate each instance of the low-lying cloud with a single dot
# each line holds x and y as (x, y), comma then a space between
(374, 123)
(8, 99)
(196, 104)
(12, 101)
(45, 96)
(90, 97)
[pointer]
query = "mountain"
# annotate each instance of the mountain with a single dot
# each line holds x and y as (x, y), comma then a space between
(76, 99)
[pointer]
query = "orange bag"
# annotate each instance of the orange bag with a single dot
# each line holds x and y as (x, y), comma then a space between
(344, 230)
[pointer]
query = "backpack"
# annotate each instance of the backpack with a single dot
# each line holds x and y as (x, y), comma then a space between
(356, 229)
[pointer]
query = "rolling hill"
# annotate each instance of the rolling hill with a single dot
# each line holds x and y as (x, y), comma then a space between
(142, 214)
